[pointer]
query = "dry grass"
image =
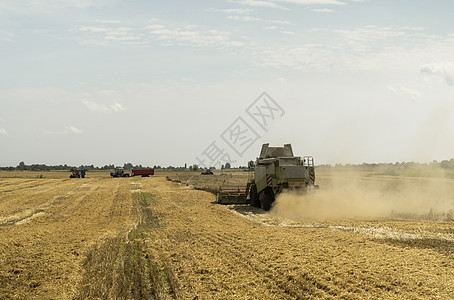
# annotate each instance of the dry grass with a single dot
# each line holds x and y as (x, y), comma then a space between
(149, 238)
(209, 183)
(260, 255)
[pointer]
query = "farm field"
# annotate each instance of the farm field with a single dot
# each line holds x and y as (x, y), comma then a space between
(360, 236)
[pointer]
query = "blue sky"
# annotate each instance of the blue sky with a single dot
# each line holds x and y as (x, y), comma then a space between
(157, 82)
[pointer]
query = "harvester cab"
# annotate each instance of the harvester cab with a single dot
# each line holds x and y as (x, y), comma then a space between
(275, 170)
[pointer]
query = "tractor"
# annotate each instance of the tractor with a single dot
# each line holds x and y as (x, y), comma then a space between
(207, 172)
(119, 172)
(77, 173)
(274, 171)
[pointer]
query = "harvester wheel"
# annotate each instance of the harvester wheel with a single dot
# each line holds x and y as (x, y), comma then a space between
(266, 198)
(254, 197)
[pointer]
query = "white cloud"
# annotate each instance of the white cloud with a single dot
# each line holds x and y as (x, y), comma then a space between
(444, 70)
(121, 37)
(322, 10)
(279, 22)
(402, 90)
(260, 3)
(108, 21)
(191, 37)
(3, 131)
(155, 27)
(72, 129)
(307, 57)
(46, 6)
(371, 33)
(387, 48)
(312, 2)
(93, 106)
(68, 130)
(117, 107)
(243, 18)
(120, 34)
(274, 3)
(94, 28)
(240, 11)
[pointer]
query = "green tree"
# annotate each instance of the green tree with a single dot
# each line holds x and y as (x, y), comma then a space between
(128, 166)
(21, 166)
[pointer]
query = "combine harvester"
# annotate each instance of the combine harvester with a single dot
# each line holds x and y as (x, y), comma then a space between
(276, 170)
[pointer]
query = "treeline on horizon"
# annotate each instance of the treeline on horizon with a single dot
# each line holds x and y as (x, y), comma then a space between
(444, 164)
(42, 167)
(127, 166)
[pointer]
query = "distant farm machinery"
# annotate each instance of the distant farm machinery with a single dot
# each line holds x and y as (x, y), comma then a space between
(207, 172)
(77, 173)
(120, 172)
(275, 170)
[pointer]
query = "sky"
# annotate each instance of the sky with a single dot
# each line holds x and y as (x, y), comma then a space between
(208, 82)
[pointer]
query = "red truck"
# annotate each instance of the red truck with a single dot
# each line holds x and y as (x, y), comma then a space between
(142, 172)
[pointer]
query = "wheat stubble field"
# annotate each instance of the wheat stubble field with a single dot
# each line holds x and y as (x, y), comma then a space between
(152, 238)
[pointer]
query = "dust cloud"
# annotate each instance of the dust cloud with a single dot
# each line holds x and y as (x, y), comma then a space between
(353, 195)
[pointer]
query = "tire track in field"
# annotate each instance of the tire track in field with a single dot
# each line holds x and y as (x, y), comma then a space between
(251, 260)
(32, 184)
(267, 267)
(26, 215)
(214, 252)
(100, 196)
(120, 192)
(76, 202)
(7, 182)
(250, 268)
(43, 259)
(218, 258)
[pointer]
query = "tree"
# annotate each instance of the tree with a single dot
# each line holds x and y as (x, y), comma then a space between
(21, 166)
(128, 166)
(227, 165)
(195, 167)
